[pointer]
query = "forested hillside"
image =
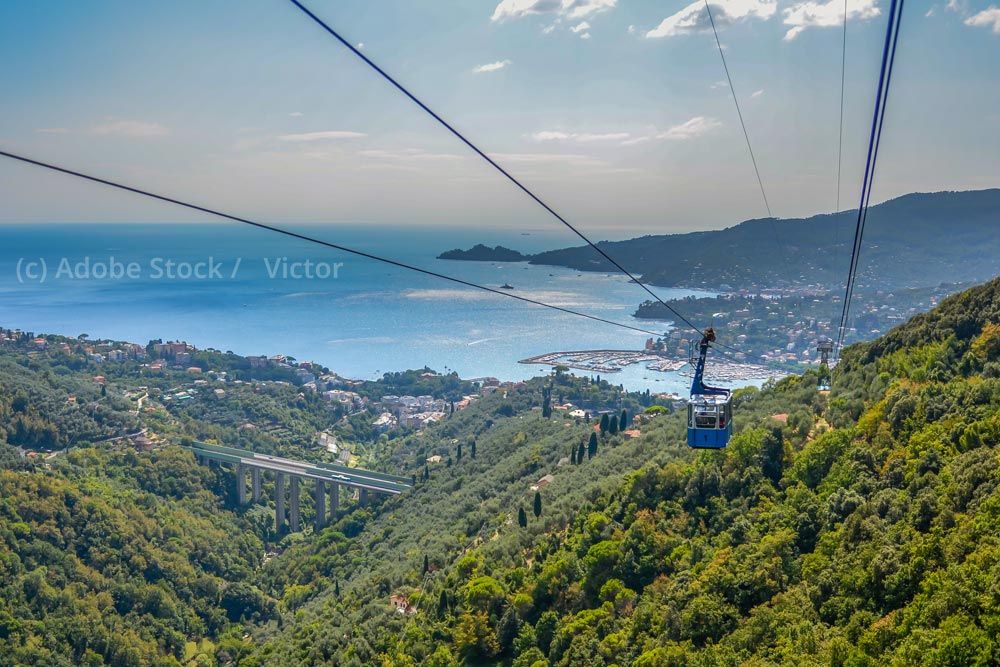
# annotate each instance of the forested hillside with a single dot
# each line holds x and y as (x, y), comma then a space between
(859, 528)
(123, 559)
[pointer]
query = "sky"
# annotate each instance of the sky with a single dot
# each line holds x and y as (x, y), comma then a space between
(615, 112)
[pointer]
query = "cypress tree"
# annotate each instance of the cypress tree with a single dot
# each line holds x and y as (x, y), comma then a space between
(604, 423)
(427, 472)
(473, 449)
(623, 422)
(572, 455)
(522, 518)
(458, 454)
(613, 425)
(507, 630)
(538, 504)
(336, 588)
(592, 446)
(579, 453)
(442, 604)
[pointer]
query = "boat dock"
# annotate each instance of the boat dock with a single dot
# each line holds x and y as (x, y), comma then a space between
(613, 361)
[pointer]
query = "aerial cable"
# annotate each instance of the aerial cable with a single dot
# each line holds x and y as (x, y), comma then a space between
(840, 139)
(878, 119)
(739, 113)
(892, 30)
(312, 239)
(746, 135)
(385, 75)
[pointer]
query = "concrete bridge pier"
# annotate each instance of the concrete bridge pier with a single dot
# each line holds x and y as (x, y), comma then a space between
(320, 505)
(295, 504)
(363, 497)
(241, 483)
(279, 501)
(255, 477)
(334, 501)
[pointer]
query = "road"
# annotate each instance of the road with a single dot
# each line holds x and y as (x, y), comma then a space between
(324, 472)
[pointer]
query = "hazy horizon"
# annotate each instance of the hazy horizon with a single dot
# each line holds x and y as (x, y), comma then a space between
(616, 114)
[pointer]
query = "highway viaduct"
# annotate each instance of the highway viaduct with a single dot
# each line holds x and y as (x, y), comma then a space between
(324, 475)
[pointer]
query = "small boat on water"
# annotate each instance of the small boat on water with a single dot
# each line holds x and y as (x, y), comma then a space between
(506, 286)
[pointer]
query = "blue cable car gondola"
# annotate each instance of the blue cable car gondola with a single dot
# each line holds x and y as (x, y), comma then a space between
(710, 409)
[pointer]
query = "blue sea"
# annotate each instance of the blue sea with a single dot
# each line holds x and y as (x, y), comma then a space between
(232, 287)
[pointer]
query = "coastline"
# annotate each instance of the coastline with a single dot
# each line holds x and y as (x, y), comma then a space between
(370, 320)
(614, 361)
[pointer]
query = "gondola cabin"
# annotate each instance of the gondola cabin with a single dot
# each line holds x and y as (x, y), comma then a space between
(710, 421)
(710, 409)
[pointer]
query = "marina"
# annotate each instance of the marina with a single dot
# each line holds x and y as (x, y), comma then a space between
(728, 371)
(613, 361)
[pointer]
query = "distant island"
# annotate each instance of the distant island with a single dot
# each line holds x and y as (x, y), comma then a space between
(484, 253)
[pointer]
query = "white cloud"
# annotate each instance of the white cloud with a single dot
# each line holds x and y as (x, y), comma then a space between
(547, 30)
(986, 18)
(691, 129)
(579, 8)
(361, 46)
(52, 130)
(130, 128)
(583, 137)
(491, 67)
(719, 84)
(548, 158)
(322, 136)
(828, 14)
(296, 114)
(550, 135)
(408, 154)
(573, 9)
(694, 18)
(757, 93)
(580, 27)
(585, 35)
(632, 30)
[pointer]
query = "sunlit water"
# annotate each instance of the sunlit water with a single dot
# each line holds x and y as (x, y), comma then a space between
(368, 319)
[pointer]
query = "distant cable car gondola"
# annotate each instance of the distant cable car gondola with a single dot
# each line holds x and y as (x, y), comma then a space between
(710, 410)
(825, 348)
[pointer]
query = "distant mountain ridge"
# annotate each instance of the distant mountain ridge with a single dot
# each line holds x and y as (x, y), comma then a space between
(916, 240)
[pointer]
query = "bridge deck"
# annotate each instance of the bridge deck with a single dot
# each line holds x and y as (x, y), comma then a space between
(324, 472)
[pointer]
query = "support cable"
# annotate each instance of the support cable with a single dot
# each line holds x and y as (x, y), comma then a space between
(878, 119)
(413, 98)
(312, 239)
